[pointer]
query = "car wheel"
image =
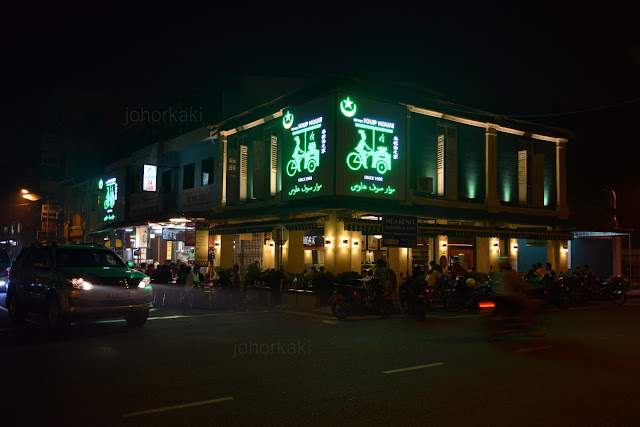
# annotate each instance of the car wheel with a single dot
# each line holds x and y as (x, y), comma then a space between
(17, 313)
(55, 320)
(137, 319)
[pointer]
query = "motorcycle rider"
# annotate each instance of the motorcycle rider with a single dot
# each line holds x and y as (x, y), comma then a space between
(509, 298)
(297, 154)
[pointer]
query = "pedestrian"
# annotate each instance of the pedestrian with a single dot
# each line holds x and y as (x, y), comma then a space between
(238, 288)
(227, 288)
(433, 275)
(551, 271)
(193, 280)
(382, 274)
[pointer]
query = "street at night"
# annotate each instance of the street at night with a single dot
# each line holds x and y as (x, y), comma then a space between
(308, 368)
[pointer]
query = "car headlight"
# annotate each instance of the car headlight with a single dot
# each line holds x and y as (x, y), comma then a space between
(144, 282)
(80, 283)
(2, 282)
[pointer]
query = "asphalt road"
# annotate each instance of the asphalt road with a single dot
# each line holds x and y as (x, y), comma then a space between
(269, 368)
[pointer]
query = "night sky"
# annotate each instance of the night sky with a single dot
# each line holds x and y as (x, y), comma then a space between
(574, 67)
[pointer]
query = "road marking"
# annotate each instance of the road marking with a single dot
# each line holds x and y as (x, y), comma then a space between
(532, 349)
(454, 317)
(431, 365)
(331, 322)
(177, 316)
(171, 408)
(2, 308)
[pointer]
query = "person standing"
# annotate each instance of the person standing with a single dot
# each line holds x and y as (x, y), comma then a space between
(238, 288)
(193, 280)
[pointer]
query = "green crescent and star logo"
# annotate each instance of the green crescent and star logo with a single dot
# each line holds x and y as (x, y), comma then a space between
(348, 107)
(287, 120)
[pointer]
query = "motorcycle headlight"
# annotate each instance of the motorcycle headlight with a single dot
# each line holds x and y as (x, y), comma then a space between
(2, 282)
(80, 283)
(144, 282)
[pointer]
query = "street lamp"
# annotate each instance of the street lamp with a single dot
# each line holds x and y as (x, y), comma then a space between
(30, 196)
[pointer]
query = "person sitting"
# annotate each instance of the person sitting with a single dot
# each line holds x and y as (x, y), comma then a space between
(540, 272)
(458, 270)
(551, 271)
(532, 272)
(162, 275)
(417, 270)
(577, 272)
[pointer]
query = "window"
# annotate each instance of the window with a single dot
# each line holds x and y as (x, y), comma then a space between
(189, 175)
(208, 169)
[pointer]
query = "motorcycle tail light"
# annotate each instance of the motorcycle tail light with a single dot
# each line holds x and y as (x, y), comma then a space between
(486, 304)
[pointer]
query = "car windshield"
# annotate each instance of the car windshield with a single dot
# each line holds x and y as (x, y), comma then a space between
(87, 258)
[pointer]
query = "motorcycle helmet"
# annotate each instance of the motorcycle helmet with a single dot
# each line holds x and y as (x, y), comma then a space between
(471, 282)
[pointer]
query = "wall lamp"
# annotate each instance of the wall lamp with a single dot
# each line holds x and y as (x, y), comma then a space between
(327, 242)
(345, 243)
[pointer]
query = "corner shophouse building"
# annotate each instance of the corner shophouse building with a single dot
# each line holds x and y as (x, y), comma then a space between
(134, 201)
(307, 179)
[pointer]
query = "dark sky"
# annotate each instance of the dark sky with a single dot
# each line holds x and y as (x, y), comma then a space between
(573, 66)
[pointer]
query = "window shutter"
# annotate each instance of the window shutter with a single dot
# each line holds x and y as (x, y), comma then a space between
(522, 177)
(273, 175)
(440, 165)
(232, 174)
(451, 163)
(537, 178)
(244, 163)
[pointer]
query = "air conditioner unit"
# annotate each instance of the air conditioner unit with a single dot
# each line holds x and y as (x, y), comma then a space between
(424, 185)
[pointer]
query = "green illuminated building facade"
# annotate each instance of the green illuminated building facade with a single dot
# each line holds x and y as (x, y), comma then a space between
(309, 177)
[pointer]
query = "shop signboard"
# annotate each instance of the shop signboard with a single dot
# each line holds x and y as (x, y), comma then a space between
(371, 152)
(149, 175)
(110, 198)
(399, 231)
(308, 150)
(197, 198)
(202, 243)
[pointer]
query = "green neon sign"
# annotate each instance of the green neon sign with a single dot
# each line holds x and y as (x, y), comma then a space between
(361, 186)
(369, 156)
(305, 189)
(287, 120)
(348, 107)
(306, 154)
(110, 188)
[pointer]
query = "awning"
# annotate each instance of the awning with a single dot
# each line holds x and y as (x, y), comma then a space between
(371, 227)
(366, 226)
(300, 224)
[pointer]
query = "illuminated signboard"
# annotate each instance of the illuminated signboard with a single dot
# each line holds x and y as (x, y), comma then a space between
(371, 150)
(150, 173)
(111, 206)
(307, 151)
(109, 197)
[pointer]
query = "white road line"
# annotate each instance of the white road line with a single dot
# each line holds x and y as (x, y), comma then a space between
(177, 316)
(171, 408)
(431, 365)
(331, 322)
(532, 349)
(454, 317)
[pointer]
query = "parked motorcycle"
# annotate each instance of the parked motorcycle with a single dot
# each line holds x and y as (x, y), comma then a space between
(551, 291)
(594, 289)
(414, 297)
(461, 296)
(356, 299)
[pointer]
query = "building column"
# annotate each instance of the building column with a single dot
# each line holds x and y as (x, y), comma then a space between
(342, 249)
(293, 253)
(513, 252)
(483, 255)
(226, 251)
(330, 242)
(268, 253)
(617, 256)
(356, 251)
(491, 199)
(561, 180)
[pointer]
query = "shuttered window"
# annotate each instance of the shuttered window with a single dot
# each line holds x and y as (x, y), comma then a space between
(244, 166)
(273, 175)
(522, 178)
(440, 165)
